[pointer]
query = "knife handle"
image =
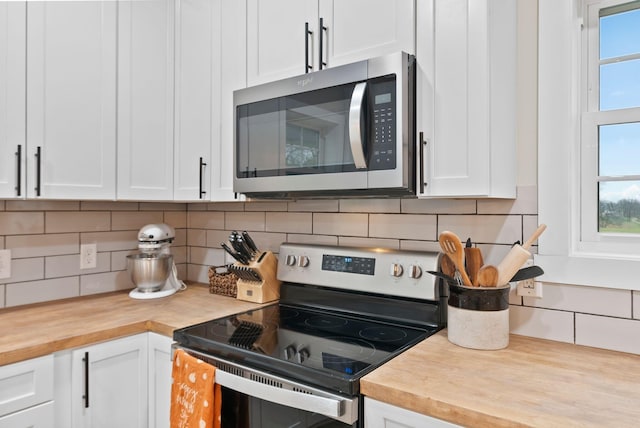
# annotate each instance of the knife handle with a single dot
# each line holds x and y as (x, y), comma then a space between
(249, 241)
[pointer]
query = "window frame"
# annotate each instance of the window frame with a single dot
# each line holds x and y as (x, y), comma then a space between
(563, 96)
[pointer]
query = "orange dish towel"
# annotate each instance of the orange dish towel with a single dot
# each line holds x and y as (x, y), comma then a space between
(194, 403)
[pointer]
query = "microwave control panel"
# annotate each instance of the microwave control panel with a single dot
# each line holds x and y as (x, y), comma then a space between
(382, 152)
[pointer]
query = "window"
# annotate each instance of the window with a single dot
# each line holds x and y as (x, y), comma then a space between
(589, 141)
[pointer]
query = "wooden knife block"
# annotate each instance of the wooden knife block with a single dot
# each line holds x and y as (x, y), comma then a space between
(263, 291)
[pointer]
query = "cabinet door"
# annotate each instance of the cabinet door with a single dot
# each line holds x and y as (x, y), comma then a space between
(362, 29)
(382, 415)
(25, 384)
(466, 97)
(71, 99)
(233, 46)
(145, 99)
(197, 66)
(40, 416)
(12, 98)
(276, 38)
(160, 366)
(109, 384)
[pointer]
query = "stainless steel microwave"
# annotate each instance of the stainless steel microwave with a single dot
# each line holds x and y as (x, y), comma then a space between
(346, 131)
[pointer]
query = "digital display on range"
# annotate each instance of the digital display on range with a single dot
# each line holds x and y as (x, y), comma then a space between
(348, 264)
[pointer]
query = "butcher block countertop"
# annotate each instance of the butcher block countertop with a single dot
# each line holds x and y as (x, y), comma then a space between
(41, 329)
(532, 382)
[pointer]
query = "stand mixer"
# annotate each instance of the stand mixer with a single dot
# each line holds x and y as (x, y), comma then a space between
(153, 270)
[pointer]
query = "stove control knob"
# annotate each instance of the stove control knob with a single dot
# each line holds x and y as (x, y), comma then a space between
(415, 271)
(303, 261)
(291, 260)
(289, 352)
(396, 270)
(302, 355)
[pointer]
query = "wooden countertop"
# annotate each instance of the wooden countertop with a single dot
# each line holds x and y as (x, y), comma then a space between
(532, 382)
(36, 330)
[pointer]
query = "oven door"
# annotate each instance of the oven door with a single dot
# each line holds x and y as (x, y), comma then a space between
(255, 399)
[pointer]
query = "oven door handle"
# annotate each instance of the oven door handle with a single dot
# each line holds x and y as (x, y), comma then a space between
(355, 125)
(326, 406)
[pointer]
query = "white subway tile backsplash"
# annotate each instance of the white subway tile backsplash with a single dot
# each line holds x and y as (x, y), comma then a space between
(215, 237)
(431, 246)
(198, 273)
(181, 238)
(207, 256)
(501, 229)
(245, 221)
(289, 222)
(316, 206)
(352, 241)
(438, 206)
(23, 246)
(370, 205)
(24, 293)
(526, 203)
(105, 282)
(590, 300)
(21, 223)
(312, 239)
(134, 220)
(112, 241)
(197, 237)
(205, 220)
(26, 270)
(176, 219)
(43, 206)
(2, 287)
(200, 207)
(265, 206)
(69, 265)
(108, 206)
(119, 259)
(342, 224)
(609, 333)
(267, 241)
(541, 323)
(162, 206)
(636, 304)
(219, 206)
(403, 226)
(79, 221)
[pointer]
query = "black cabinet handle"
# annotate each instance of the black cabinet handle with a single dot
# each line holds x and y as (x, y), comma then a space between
(307, 33)
(19, 170)
(38, 162)
(202, 165)
(422, 143)
(86, 380)
(323, 31)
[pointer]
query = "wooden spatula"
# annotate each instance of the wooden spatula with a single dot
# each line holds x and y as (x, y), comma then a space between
(452, 246)
(473, 261)
(488, 276)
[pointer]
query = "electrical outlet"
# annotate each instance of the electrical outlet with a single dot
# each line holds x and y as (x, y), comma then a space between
(529, 287)
(88, 256)
(5, 263)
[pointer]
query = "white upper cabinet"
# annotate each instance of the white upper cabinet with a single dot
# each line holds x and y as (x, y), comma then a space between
(466, 82)
(145, 99)
(12, 99)
(197, 71)
(285, 38)
(355, 30)
(71, 100)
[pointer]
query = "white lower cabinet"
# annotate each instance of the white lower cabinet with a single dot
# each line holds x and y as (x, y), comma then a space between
(128, 382)
(26, 394)
(160, 366)
(382, 415)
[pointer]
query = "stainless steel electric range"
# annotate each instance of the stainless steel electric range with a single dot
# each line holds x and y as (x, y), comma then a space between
(343, 312)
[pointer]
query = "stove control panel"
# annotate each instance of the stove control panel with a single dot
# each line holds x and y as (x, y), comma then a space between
(375, 270)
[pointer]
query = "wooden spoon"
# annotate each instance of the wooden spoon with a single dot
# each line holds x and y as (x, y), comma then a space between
(488, 276)
(451, 245)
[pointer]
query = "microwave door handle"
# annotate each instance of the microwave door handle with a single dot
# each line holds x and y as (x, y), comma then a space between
(355, 131)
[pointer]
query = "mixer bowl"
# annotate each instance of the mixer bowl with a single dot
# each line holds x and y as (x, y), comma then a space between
(149, 272)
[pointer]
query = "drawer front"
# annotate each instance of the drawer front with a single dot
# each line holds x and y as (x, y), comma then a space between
(36, 417)
(26, 384)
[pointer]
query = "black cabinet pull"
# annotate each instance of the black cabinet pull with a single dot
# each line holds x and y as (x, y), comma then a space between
(202, 192)
(323, 31)
(38, 162)
(85, 397)
(307, 33)
(19, 170)
(422, 143)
